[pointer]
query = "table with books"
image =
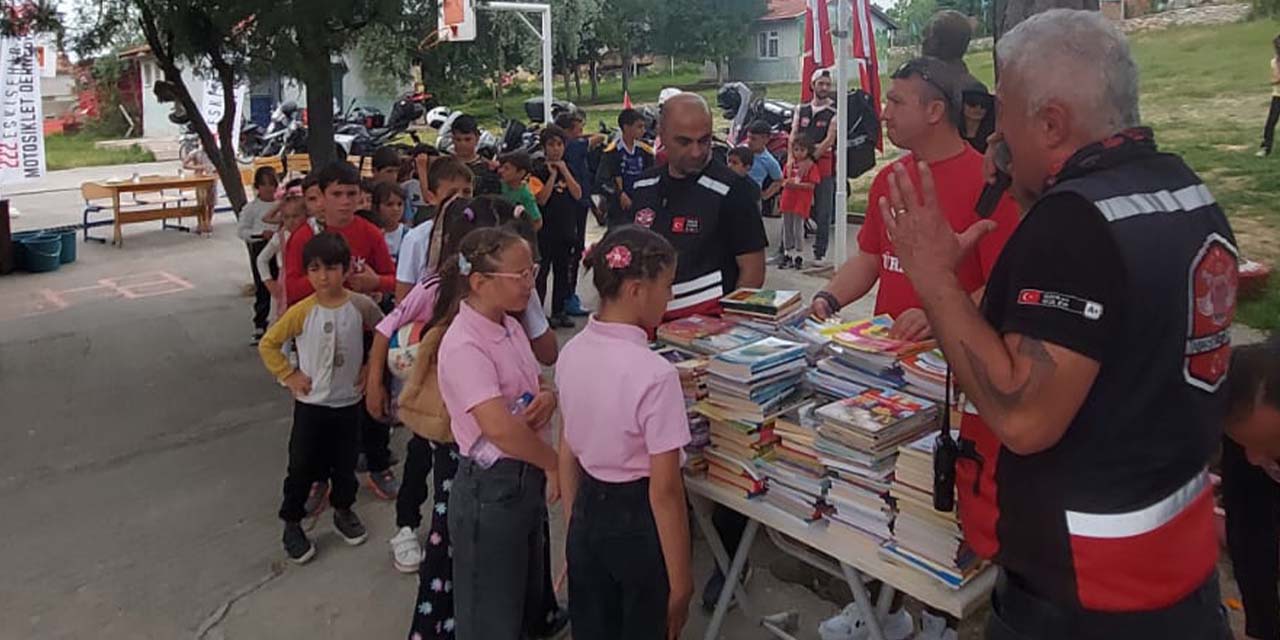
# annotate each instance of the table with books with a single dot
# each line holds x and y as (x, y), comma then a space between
(822, 435)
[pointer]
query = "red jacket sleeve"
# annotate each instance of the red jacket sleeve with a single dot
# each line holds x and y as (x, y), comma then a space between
(380, 258)
(1006, 217)
(296, 285)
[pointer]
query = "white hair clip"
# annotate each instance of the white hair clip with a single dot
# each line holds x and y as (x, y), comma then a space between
(519, 212)
(464, 265)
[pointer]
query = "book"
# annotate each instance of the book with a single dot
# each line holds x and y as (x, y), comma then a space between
(879, 412)
(872, 336)
(760, 301)
(747, 362)
(684, 331)
(727, 340)
(952, 578)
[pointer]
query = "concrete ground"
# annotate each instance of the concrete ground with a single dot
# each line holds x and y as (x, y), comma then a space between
(144, 445)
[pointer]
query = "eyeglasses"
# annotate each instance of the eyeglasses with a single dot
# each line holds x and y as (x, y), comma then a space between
(525, 274)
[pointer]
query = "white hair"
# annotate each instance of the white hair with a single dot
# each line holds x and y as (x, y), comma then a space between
(1078, 58)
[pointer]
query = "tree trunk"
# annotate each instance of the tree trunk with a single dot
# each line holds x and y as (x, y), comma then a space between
(577, 82)
(319, 82)
(626, 68)
(223, 160)
(1006, 14)
(595, 80)
(719, 71)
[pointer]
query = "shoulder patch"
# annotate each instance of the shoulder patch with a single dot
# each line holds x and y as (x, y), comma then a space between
(712, 184)
(647, 182)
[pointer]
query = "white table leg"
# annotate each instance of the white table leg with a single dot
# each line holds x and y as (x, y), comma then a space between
(885, 601)
(861, 597)
(731, 568)
(702, 508)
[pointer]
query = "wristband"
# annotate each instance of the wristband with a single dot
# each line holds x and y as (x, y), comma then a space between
(830, 299)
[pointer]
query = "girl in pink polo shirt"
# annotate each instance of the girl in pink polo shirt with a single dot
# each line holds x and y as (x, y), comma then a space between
(500, 416)
(625, 427)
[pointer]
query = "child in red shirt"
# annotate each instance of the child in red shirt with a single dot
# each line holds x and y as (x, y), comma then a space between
(802, 176)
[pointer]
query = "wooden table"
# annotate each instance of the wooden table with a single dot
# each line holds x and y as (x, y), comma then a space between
(185, 190)
(858, 558)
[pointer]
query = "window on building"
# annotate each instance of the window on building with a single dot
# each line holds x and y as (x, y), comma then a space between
(767, 44)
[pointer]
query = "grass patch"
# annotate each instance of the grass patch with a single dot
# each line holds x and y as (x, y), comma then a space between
(68, 151)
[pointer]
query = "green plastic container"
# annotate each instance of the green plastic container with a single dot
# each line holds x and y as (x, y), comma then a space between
(41, 253)
(68, 237)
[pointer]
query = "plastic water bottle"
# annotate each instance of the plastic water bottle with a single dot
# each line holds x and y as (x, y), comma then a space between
(485, 453)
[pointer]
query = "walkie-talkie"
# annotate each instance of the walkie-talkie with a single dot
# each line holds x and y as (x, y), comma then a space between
(945, 453)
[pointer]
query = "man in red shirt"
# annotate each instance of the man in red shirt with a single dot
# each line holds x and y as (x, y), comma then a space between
(921, 115)
(372, 270)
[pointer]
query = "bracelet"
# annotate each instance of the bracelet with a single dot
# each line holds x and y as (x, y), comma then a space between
(830, 299)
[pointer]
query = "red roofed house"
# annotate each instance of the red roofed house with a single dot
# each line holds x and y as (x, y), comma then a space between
(777, 40)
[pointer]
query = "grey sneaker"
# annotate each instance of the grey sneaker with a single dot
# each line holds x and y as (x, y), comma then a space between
(347, 524)
(384, 484)
(296, 545)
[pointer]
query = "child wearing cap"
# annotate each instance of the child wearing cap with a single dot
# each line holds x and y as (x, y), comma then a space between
(624, 430)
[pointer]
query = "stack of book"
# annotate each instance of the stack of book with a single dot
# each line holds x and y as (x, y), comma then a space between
(765, 309)
(707, 335)
(753, 383)
(798, 481)
(693, 383)
(866, 346)
(735, 449)
(858, 441)
(926, 374)
(923, 537)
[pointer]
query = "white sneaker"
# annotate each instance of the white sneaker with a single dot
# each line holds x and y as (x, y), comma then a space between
(406, 551)
(849, 625)
(934, 628)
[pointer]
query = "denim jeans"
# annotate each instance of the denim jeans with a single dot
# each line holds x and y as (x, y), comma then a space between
(496, 521)
(824, 205)
(618, 584)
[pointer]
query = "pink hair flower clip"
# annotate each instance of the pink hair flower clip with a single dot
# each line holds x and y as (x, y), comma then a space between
(618, 257)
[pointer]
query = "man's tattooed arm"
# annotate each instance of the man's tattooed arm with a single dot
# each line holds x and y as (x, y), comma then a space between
(1002, 398)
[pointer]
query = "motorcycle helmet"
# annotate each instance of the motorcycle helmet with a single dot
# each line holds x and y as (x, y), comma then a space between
(666, 94)
(437, 117)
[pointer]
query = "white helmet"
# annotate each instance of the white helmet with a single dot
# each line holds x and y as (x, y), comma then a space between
(667, 93)
(437, 117)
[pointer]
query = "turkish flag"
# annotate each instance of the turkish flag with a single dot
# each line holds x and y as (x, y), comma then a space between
(864, 51)
(818, 51)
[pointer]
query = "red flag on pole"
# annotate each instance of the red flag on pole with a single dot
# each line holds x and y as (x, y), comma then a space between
(626, 99)
(864, 51)
(818, 52)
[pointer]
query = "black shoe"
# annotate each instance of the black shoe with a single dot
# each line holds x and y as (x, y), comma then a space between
(797, 263)
(257, 335)
(557, 625)
(784, 263)
(715, 584)
(347, 524)
(562, 321)
(296, 544)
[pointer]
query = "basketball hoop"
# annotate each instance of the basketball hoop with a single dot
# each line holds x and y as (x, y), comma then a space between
(457, 21)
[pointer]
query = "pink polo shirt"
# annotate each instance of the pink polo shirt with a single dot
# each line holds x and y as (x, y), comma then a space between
(481, 360)
(620, 401)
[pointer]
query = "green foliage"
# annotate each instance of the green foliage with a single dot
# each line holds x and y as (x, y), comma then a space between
(1266, 8)
(704, 29)
(912, 16)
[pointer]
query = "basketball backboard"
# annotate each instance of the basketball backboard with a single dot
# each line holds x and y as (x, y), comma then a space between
(457, 20)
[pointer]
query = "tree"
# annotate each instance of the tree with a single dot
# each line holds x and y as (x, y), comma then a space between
(624, 26)
(208, 35)
(1008, 13)
(706, 29)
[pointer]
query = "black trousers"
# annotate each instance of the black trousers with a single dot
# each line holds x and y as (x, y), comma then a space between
(729, 525)
(261, 297)
(1269, 131)
(618, 584)
(1019, 614)
(579, 245)
(1252, 501)
(435, 603)
(375, 442)
(322, 446)
(556, 251)
(413, 486)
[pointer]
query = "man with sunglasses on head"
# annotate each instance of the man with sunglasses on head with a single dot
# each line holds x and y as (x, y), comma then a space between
(921, 115)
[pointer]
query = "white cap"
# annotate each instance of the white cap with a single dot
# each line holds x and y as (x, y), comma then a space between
(667, 93)
(825, 72)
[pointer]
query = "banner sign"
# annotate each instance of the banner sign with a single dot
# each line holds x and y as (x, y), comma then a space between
(213, 106)
(22, 117)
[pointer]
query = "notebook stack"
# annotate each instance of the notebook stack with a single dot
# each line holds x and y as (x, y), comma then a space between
(752, 384)
(693, 383)
(798, 481)
(707, 335)
(768, 310)
(866, 346)
(926, 374)
(923, 537)
(858, 441)
(735, 447)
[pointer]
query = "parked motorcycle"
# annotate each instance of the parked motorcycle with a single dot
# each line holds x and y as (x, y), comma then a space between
(738, 105)
(441, 119)
(284, 134)
(534, 111)
(361, 140)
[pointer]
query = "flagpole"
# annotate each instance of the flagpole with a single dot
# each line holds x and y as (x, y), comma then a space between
(841, 35)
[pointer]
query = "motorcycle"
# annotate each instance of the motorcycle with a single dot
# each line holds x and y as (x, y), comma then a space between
(364, 115)
(361, 140)
(534, 111)
(737, 105)
(284, 134)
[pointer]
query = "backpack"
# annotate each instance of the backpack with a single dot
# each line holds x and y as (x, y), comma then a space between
(421, 406)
